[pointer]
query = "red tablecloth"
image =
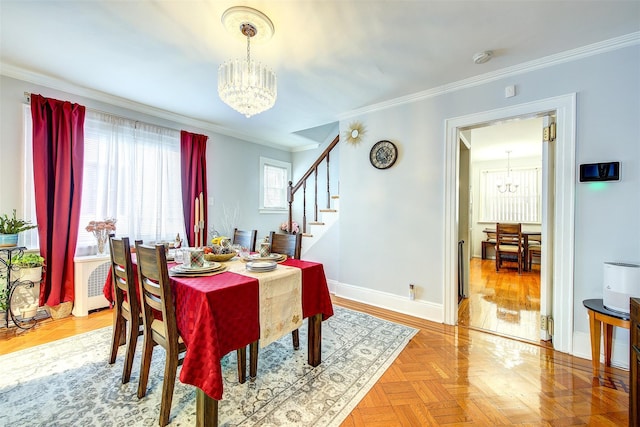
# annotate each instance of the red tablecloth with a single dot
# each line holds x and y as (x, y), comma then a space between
(218, 314)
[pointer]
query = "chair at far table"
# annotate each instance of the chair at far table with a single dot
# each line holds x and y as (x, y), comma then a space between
(490, 242)
(126, 304)
(155, 293)
(245, 238)
(509, 244)
(534, 250)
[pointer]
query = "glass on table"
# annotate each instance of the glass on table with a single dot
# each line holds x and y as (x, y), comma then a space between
(178, 256)
(244, 252)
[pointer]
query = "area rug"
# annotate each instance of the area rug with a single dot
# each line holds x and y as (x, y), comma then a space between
(69, 382)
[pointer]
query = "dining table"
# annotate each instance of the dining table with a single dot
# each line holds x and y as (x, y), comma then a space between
(220, 313)
(526, 235)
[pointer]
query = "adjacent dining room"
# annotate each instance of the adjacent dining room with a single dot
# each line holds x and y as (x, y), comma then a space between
(503, 284)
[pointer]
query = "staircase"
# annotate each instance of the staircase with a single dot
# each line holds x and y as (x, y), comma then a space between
(323, 219)
(317, 229)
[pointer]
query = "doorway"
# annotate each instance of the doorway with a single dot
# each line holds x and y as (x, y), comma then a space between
(562, 185)
(501, 166)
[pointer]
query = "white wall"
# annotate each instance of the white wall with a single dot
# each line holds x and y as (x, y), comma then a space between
(232, 164)
(391, 228)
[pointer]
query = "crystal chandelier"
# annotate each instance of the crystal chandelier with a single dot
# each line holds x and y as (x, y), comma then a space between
(508, 184)
(246, 86)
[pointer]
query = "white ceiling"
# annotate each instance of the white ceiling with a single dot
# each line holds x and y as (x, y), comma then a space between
(521, 137)
(331, 57)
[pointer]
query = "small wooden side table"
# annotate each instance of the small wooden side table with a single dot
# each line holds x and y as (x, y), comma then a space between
(598, 315)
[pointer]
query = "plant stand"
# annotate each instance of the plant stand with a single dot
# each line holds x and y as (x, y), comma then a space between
(20, 307)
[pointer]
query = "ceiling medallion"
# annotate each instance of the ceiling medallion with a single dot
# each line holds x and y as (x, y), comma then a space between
(246, 86)
(354, 134)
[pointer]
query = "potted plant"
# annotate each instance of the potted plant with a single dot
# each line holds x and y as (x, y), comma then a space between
(10, 227)
(27, 266)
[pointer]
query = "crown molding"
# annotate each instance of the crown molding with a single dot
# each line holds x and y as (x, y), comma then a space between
(544, 62)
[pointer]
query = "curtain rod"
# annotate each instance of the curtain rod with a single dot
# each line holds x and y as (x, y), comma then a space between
(27, 96)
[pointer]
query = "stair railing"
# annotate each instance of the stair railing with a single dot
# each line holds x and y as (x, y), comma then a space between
(302, 183)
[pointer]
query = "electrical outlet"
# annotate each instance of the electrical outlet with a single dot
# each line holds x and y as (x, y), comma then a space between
(412, 291)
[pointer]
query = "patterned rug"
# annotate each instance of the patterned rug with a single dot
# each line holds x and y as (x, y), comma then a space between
(69, 382)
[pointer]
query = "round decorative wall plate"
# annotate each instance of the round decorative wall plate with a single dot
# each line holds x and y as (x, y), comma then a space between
(354, 134)
(383, 154)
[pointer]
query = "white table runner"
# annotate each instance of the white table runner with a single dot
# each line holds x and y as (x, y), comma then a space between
(280, 299)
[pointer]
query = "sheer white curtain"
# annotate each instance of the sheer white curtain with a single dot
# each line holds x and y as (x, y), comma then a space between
(131, 173)
(29, 238)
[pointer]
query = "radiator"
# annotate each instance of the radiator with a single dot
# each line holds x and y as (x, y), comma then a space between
(90, 273)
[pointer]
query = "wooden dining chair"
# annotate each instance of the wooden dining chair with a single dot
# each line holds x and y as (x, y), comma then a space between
(155, 294)
(245, 238)
(127, 317)
(288, 244)
(509, 245)
(489, 242)
(534, 251)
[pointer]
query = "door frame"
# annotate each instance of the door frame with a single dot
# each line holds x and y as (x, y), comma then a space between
(564, 109)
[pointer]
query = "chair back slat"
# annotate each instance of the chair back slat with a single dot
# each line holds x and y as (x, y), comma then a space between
(288, 244)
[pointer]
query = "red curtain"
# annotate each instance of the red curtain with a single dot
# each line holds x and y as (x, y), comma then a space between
(193, 159)
(58, 155)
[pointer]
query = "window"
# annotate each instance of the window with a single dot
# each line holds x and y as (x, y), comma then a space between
(274, 182)
(131, 173)
(523, 205)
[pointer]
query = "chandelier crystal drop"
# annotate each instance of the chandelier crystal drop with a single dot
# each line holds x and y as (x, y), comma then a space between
(247, 86)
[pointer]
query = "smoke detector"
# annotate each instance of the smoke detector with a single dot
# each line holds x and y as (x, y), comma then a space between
(482, 57)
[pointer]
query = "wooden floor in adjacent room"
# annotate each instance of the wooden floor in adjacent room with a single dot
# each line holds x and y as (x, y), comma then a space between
(502, 302)
(449, 376)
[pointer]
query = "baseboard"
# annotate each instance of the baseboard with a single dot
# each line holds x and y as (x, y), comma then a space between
(619, 350)
(417, 308)
(332, 285)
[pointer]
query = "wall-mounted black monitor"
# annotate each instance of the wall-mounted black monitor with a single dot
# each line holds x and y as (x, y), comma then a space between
(609, 171)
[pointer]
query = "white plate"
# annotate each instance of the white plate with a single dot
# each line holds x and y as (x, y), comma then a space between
(207, 267)
(261, 266)
(272, 256)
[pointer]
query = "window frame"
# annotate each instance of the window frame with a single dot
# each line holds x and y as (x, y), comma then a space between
(264, 163)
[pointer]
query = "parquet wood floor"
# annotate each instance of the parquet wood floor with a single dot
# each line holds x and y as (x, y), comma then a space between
(458, 376)
(449, 376)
